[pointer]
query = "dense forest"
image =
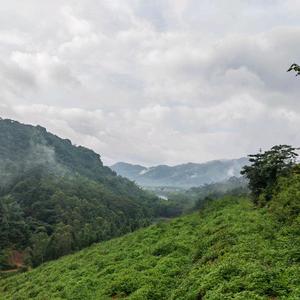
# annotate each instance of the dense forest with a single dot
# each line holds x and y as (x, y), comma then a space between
(233, 248)
(56, 198)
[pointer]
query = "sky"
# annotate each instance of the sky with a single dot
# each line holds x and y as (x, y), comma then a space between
(154, 82)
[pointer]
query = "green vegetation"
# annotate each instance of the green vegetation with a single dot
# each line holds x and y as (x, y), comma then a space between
(56, 198)
(49, 217)
(265, 169)
(230, 250)
(181, 201)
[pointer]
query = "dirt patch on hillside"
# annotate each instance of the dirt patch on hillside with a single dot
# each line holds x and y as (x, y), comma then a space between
(16, 259)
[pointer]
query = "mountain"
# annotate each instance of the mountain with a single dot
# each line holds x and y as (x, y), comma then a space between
(24, 147)
(229, 250)
(56, 198)
(129, 170)
(185, 175)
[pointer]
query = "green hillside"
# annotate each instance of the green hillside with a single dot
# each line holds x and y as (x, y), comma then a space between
(230, 250)
(57, 198)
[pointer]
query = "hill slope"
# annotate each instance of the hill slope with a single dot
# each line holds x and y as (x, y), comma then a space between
(56, 198)
(228, 251)
(185, 175)
(189, 200)
(23, 147)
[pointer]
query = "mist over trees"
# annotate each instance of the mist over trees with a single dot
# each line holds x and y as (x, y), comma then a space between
(56, 198)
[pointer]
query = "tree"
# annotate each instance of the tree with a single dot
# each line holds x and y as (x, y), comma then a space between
(39, 244)
(61, 241)
(13, 229)
(266, 167)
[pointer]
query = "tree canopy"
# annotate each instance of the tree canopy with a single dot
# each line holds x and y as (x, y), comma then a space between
(56, 198)
(266, 167)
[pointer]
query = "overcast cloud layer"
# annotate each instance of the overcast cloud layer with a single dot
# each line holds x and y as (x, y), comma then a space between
(150, 82)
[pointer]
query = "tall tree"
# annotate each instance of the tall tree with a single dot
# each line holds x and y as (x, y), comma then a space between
(266, 167)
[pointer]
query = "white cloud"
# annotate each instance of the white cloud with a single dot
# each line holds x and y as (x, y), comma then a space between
(160, 82)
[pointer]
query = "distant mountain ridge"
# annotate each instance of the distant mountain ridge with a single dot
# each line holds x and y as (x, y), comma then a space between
(184, 175)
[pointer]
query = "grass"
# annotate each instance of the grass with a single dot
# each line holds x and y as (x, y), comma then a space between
(230, 250)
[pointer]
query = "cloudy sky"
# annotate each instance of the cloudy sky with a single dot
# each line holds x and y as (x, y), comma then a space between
(151, 82)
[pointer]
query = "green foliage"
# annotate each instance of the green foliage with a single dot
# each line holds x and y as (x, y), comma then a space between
(56, 198)
(229, 250)
(285, 204)
(55, 216)
(14, 229)
(39, 246)
(184, 201)
(266, 168)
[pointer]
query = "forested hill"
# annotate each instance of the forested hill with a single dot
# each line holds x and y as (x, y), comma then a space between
(236, 247)
(230, 250)
(23, 147)
(56, 198)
